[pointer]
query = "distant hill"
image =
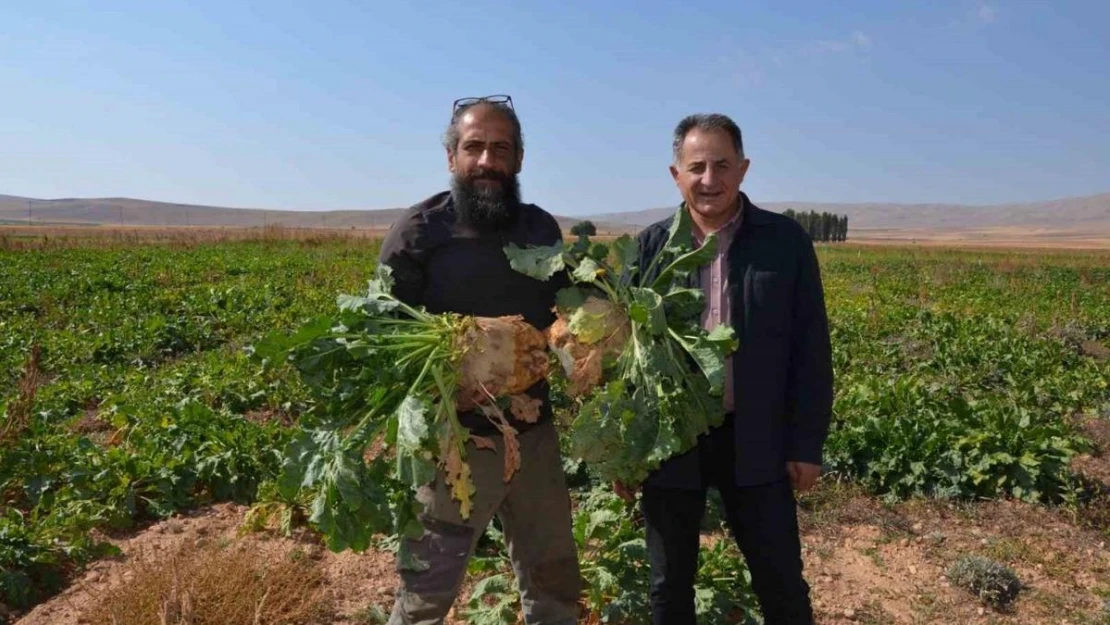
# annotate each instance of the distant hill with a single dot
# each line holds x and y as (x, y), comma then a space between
(132, 212)
(1088, 213)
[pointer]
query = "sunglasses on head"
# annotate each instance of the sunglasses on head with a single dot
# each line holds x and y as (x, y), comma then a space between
(492, 99)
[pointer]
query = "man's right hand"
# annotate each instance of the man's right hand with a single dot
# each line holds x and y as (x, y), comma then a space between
(627, 493)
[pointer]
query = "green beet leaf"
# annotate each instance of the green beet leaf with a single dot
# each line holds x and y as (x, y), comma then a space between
(663, 390)
(538, 262)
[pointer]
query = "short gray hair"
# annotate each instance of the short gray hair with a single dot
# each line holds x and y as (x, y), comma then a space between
(706, 121)
(451, 135)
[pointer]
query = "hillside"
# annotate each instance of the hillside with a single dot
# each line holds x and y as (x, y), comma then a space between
(1082, 221)
(133, 212)
(1091, 213)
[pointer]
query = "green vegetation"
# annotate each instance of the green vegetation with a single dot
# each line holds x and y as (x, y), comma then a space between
(957, 373)
(657, 376)
(585, 228)
(957, 376)
(146, 402)
(383, 372)
(822, 227)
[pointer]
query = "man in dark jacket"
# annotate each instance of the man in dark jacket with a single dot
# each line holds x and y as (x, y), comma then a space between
(766, 283)
(447, 255)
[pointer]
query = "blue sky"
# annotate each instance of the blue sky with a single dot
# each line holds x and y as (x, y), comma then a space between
(335, 105)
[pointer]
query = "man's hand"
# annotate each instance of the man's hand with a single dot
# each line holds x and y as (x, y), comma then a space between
(627, 493)
(803, 475)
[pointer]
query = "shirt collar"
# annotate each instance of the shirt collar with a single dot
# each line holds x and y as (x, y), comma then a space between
(730, 227)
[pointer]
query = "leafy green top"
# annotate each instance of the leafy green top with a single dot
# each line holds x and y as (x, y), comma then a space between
(663, 391)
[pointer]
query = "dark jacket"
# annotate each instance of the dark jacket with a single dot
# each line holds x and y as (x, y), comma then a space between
(446, 266)
(783, 378)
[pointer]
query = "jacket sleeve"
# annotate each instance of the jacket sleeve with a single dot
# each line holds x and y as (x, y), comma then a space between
(402, 250)
(809, 391)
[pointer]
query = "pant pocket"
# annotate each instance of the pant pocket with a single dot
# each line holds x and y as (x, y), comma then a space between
(435, 563)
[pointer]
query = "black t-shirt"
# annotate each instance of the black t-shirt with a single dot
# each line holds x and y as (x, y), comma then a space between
(446, 266)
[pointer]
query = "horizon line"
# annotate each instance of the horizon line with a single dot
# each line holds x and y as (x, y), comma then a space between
(634, 210)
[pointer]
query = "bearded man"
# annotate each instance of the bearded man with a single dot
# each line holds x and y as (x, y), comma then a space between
(447, 255)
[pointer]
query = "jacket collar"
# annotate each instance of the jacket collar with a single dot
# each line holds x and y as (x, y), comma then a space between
(753, 214)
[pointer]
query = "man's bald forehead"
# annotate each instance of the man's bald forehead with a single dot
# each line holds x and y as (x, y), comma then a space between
(483, 109)
(474, 112)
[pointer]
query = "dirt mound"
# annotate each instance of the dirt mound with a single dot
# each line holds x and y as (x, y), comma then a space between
(353, 584)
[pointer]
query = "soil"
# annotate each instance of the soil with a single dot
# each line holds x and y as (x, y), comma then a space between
(356, 582)
(866, 561)
(886, 564)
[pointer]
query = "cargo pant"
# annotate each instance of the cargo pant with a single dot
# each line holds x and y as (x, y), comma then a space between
(534, 509)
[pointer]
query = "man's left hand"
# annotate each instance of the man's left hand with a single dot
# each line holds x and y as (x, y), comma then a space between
(803, 475)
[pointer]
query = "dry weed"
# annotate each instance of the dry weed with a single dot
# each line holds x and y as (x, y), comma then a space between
(234, 585)
(18, 415)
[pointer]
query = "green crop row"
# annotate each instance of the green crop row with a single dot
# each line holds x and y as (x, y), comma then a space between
(957, 374)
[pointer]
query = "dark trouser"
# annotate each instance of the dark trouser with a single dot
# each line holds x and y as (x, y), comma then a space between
(534, 508)
(763, 521)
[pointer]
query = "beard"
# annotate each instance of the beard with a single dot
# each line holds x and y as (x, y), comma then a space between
(486, 207)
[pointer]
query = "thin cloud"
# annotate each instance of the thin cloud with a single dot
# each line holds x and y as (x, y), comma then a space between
(986, 12)
(751, 70)
(858, 40)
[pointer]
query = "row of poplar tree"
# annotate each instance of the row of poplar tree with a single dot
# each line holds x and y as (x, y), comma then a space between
(821, 226)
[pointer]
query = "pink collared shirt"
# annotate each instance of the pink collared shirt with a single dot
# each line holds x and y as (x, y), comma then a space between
(714, 283)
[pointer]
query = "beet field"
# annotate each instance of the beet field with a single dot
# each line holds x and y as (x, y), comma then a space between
(145, 447)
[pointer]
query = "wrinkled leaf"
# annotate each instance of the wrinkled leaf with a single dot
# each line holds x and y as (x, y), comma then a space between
(379, 298)
(459, 479)
(569, 298)
(647, 310)
(382, 283)
(588, 271)
(412, 423)
(416, 469)
(626, 253)
(539, 262)
(684, 306)
(686, 263)
(710, 352)
(588, 327)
